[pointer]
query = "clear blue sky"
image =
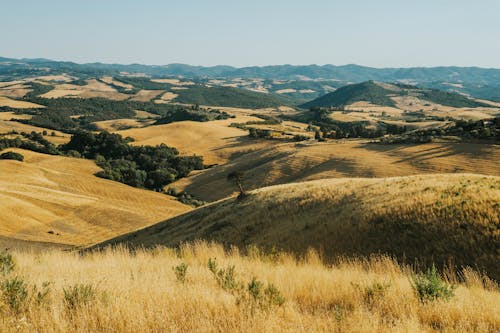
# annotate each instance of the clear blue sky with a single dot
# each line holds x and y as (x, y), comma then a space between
(379, 33)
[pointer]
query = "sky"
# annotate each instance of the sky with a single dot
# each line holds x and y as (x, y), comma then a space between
(377, 33)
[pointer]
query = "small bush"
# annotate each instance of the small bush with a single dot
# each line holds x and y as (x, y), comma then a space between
(180, 272)
(375, 291)
(273, 295)
(429, 286)
(225, 277)
(10, 155)
(7, 263)
(78, 295)
(41, 295)
(14, 293)
(255, 296)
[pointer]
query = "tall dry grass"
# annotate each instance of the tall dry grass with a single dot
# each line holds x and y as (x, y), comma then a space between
(139, 292)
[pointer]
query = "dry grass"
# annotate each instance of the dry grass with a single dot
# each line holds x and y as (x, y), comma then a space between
(92, 89)
(441, 218)
(214, 140)
(166, 97)
(292, 162)
(6, 126)
(146, 95)
(5, 101)
(140, 293)
(62, 194)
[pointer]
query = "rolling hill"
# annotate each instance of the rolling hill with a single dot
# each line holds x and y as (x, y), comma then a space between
(428, 218)
(62, 196)
(383, 93)
(294, 162)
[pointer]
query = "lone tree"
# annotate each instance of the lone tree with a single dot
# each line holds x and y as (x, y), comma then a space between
(237, 178)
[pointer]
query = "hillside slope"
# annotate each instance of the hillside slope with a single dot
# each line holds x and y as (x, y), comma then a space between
(60, 194)
(293, 162)
(427, 218)
(379, 93)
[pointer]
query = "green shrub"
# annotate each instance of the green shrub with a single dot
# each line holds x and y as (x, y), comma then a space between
(180, 272)
(430, 286)
(78, 295)
(375, 291)
(41, 295)
(7, 263)
(255, 289)
(273, 295)
(10, 155)
(254, 296)
(14, 293)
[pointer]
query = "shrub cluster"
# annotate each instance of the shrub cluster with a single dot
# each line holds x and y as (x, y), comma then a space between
(142, 166)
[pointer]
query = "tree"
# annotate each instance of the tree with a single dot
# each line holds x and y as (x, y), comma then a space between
(10, 155)
(237, 178)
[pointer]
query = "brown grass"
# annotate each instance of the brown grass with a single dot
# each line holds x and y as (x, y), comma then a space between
(429, 218)
(5, 101)
(6, 125)
(92, 89)
(293, 162)
(62, 194)
(214, 140)
(140, 293)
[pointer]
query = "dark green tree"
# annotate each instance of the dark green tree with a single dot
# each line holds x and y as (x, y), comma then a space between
(237, 178)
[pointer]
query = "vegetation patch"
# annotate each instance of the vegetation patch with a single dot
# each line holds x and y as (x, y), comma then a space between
(150, 167)
(10, 155)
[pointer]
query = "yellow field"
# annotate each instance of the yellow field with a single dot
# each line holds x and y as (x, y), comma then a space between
(118, 124)
(292, 162)
(92, 89)
(432, 218)
(176, 82)
(7, 126)
(61, 194)
(16, 90)
(166, 97)
(140, 293)
(146, 95)
(5, 101)
(213, 140)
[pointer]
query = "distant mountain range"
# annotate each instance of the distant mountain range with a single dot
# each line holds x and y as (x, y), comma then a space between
(478, 82)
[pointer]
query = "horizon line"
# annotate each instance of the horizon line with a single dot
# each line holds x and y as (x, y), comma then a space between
(250, 66)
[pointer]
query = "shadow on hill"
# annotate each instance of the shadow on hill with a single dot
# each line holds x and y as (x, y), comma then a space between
(434, 152)
(417, 219)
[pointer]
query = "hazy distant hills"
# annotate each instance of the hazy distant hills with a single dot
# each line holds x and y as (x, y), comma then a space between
(481, 83)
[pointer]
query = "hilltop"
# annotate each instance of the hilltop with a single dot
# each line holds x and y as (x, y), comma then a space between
(431, 218)
(383, 94)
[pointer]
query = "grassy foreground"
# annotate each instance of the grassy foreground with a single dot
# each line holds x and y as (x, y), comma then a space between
(153, 291)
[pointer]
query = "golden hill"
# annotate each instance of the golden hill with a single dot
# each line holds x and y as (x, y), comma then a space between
(293, 162)
(60, 194)
(426, 218)
(7, 125)
(214, 140)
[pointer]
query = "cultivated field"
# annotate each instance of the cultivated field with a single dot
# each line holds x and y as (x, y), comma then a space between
(214, 140)
(60, 194)
(116, 291)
